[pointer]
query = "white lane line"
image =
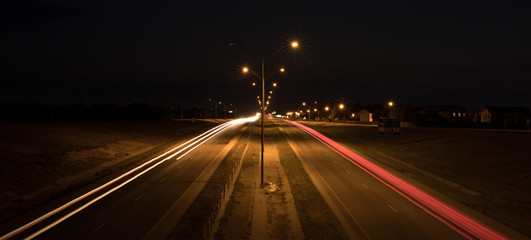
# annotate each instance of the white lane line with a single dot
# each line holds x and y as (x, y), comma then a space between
(335, 161)
(392, 208)
(139, 197)
(162, 180)
(365, 186)
(348, 172)
(96, 229)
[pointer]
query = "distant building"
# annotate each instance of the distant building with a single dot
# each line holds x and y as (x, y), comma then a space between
(444, 114)
(506, 117)
(363, 115)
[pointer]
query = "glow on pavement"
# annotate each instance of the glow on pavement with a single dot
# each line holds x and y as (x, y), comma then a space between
(453, 218)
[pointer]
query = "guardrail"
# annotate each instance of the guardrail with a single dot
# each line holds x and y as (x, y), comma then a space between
(224, 196)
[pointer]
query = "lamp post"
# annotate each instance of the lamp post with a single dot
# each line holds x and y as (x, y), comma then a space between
(224, 109)
(215, 107)
(310, 112)
(263, 102)
(235, 109)
(298, 107)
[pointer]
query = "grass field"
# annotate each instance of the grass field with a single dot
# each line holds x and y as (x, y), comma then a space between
(488, 171)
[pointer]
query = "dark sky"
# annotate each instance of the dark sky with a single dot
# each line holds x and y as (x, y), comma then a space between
(422, 53)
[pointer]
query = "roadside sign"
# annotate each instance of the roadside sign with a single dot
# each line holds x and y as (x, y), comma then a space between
(388, 126)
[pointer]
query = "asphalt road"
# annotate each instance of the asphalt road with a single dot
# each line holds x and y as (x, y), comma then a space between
(145, 207)
(366, 207)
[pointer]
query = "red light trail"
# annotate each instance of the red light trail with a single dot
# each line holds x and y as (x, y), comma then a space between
(453, 218)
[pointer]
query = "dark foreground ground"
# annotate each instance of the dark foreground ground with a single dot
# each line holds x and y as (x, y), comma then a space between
(487, 170)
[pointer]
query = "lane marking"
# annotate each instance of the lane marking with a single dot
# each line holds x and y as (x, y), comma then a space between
(365, 186)
(139, 197)
(336, 196)
(392, 208)
(348, 172)
(162, 180)
(96, 229)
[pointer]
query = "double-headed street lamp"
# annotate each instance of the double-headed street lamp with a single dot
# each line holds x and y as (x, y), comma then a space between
(263, 102)
(234, 110)
(224, 109)
(215, 107)
(298, 108)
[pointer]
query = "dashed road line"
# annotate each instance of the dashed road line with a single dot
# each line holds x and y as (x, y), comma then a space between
(96, 229)
(392, 208)
(139, 197)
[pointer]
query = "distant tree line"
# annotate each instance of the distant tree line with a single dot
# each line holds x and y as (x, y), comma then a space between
(16, 112)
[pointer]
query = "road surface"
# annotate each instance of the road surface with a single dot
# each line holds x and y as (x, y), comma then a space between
(142, 203)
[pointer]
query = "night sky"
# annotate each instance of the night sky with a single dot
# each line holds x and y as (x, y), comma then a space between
(169, 52)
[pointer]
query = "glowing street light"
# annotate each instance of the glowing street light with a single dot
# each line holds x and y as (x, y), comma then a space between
(274, 84)
(294, 44)
(390, 103)
(282, 70)
(245, 69)
(327, 108)
(341, 106)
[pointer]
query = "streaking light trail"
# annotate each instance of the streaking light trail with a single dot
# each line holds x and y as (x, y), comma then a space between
(142, 169)
(453, 218)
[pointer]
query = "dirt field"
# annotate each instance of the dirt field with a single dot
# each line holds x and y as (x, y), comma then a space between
(488, 171)
(37, 160)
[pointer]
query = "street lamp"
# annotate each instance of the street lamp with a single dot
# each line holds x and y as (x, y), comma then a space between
(262, 59)
(215, 107)
(298, 107)
(309, 112)
(294, 44)
(225, 109)
(235, 109)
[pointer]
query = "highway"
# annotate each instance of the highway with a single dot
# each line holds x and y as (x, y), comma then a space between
(368, 201)
(145, 202)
